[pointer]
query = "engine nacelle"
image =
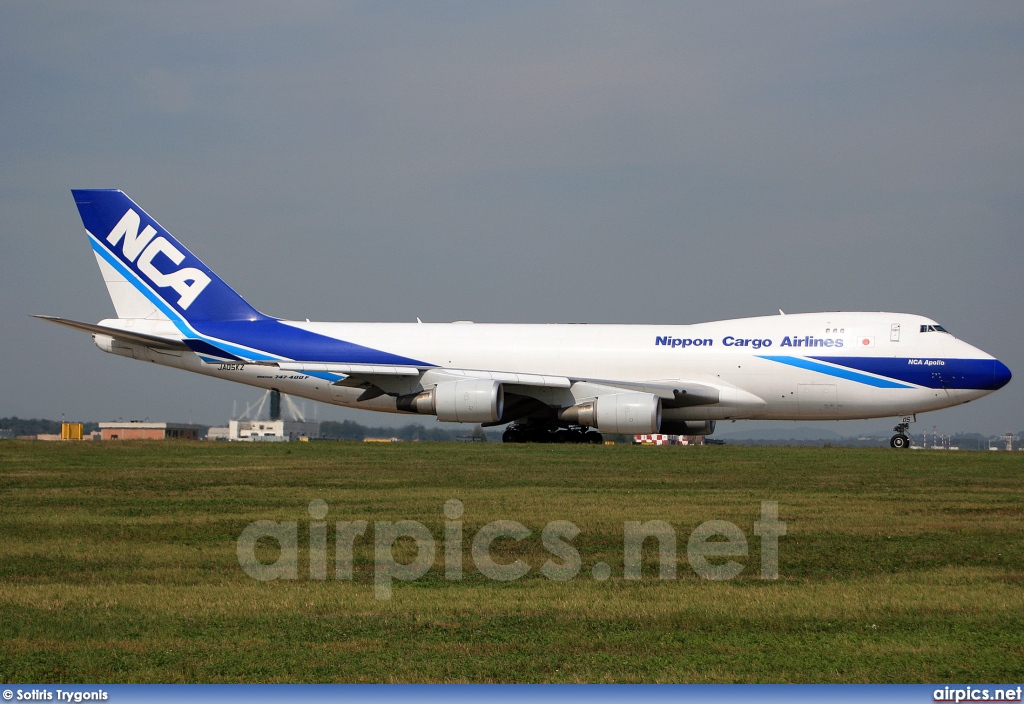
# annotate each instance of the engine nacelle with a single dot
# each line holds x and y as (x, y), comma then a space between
(469, 401)
(466, 401)
(670, 426)
(628, 414)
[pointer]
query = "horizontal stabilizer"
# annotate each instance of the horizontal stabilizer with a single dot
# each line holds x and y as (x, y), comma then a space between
(138, 338)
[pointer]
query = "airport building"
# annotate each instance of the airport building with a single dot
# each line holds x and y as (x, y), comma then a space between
(271, 430)
(268, 421)
(141, 430)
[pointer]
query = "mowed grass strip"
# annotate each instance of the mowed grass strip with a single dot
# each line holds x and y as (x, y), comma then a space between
(118, 564)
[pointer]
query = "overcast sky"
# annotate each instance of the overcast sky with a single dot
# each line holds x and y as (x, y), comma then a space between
(514, 162)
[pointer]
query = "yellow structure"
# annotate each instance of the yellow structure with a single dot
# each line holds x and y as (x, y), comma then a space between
(71, 431)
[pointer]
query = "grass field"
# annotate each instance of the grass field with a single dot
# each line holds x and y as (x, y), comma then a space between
(118, 564)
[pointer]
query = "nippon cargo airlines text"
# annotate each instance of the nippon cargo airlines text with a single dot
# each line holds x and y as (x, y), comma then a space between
(753, 343)
(545, 383)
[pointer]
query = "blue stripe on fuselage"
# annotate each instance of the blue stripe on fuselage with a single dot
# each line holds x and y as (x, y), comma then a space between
(278, 338)
(840, 372)
(932, 372)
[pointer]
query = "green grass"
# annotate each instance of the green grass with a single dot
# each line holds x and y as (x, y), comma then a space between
(118, 564)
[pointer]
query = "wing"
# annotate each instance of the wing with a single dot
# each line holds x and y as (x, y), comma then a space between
(550, 390)
(207, 352)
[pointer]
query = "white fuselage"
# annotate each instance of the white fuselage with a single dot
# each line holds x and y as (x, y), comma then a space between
(754, 362)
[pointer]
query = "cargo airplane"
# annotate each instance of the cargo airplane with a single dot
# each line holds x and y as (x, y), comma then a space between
(548, 383)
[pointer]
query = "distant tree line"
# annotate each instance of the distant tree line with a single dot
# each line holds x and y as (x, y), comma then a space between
(37, 426)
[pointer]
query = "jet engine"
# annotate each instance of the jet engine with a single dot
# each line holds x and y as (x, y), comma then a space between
(466, 401)
(627, 413)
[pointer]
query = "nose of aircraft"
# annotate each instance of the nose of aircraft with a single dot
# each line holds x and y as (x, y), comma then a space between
(1000, 374)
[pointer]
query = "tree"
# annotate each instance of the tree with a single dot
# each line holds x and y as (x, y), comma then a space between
(346, 430)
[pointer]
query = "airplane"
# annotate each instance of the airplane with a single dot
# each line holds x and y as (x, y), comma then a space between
(547, 383)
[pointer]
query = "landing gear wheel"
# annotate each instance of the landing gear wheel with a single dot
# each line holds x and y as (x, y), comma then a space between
(593, 437)
(517, 433)
(899, 441)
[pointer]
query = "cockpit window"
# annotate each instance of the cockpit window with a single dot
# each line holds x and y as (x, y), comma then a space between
(933, 328)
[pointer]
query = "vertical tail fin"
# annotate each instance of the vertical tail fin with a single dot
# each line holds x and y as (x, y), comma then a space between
(148, 273)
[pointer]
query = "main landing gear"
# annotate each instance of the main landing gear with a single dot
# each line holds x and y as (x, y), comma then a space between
(900, 441)
(531, 432)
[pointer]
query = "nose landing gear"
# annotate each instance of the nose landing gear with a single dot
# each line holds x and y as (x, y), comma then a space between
(900, 441)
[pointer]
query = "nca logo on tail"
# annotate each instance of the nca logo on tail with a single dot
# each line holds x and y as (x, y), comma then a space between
(137, 248)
